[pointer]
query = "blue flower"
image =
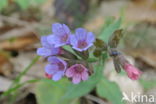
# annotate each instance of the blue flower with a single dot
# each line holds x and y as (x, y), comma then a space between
(56, 68)
(47, 49)
(60, 36)
(82, 40)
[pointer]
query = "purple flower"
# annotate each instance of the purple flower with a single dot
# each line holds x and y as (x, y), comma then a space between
(47, 49)
(61, 34)
(77, 72)
(56, 68)
(82, 39)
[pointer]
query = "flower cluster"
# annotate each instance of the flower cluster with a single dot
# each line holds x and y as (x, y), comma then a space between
(52, 50)
(75, 66)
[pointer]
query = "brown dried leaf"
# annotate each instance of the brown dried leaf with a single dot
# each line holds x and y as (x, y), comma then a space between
(142, 10)
(5, 65)
(99, 43)
(147, 56)
(19, 42)
(115, 39)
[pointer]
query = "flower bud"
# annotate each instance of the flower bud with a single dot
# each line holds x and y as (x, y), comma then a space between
(132, 72)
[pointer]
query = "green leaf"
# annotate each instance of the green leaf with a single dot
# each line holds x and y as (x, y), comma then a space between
(109, 20)
(148, 84)
(92, 60)
(3, 3)
(110, 91)
(68, 48)
(85, 87)
(37, 2)
(24, 4)
(50, 92)
(108, 31)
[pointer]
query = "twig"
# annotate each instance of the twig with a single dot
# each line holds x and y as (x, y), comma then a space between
(96, 99)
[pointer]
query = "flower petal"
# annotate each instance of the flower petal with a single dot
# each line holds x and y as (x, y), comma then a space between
(53, 59)
(57, 76)
(132, 72)
(52, 39)
(59, 44)
(76, 79)
(81, 34)
(56, 41)
(84, 49)
(44, 51)
(69, 72)
(63, 62)
(51, 68)
(66, 29)
(56, 28)
(44, 42)
(84, 75)
(73, 40)
(62, 65)
(90, 37)
(78, 49)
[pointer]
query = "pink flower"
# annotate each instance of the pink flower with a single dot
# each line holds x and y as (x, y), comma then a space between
(77, 72)
(132, 72)
(49, 76)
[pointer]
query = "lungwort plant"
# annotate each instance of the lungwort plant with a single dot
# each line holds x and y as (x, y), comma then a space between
(80, 57)
(75, 66)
